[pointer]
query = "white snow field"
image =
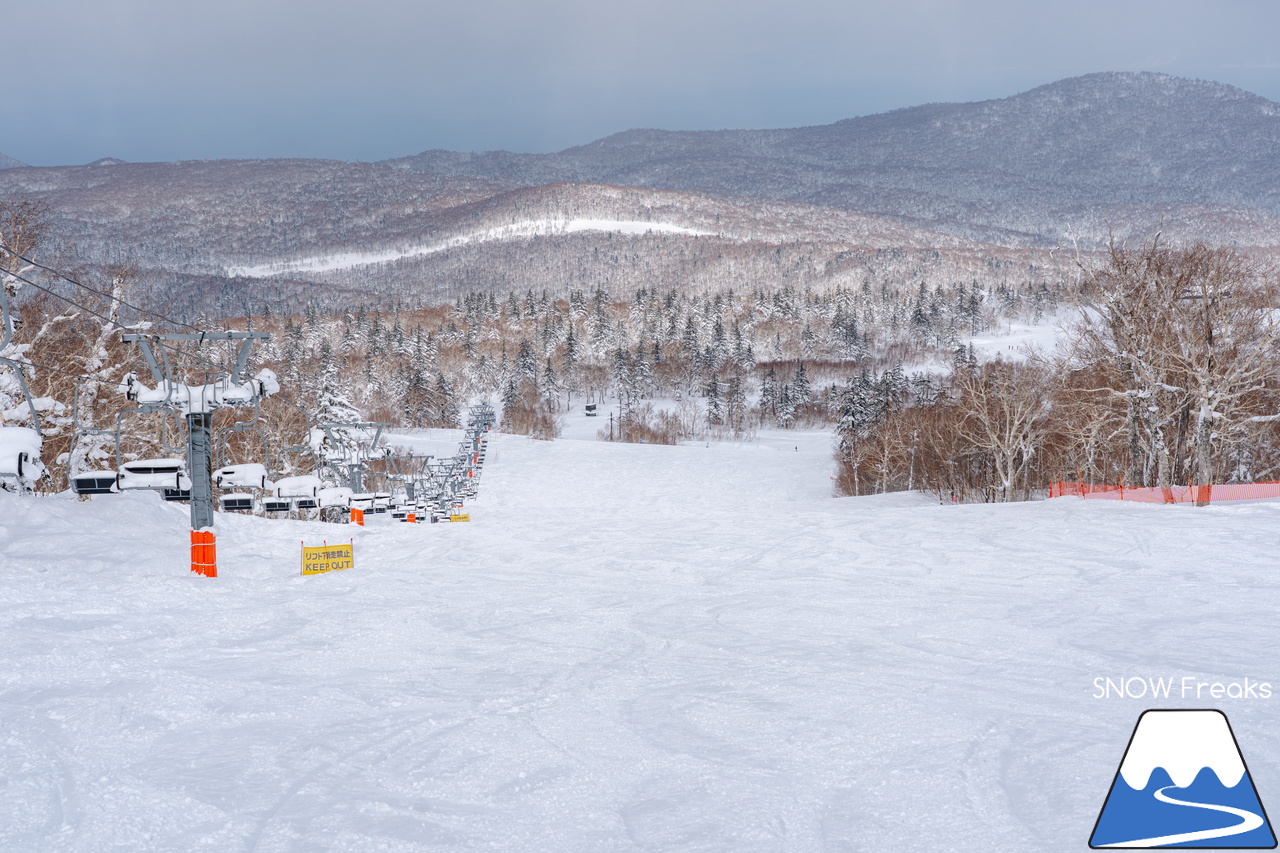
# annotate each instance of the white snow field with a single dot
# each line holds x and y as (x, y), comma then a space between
(630, 648)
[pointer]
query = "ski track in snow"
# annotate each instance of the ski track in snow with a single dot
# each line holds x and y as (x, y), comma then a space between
(514, 231)
(630, 648)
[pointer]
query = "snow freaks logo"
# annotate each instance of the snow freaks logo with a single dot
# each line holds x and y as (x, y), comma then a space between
(1183, 783)
(1185, 688)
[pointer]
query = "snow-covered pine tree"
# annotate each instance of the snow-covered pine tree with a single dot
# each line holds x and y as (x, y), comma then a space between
(526, 364)
(550, 383)
(715, 403)
(736, 404)
(642, 372)
(769, 394)
(332, 404)
(448, 412)
(785, 407)
(801, 392)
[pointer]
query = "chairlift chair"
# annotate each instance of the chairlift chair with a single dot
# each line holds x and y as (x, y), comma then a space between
(276, 505)
(165, 475)
(334, 496)
(250, 475)
(94, 483)
(236, 502)
(178, 449)
(20, 465)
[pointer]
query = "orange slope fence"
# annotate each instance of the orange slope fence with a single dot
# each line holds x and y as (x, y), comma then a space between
(1167, 494)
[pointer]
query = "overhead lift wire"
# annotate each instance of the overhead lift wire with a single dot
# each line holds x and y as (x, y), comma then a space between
(209, 364)
(94, 290)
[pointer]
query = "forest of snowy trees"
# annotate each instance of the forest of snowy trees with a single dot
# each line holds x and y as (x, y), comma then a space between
(1170, 377)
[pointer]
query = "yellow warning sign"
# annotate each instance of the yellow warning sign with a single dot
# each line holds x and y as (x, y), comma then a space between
(327, 558)
(463, 517)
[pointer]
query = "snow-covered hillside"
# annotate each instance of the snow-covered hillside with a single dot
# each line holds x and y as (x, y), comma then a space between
(630, 648)
(516, 231)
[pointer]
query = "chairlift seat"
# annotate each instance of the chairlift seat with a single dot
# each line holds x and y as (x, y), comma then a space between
(276, 505)
(306, 503)
(335, 496)
(176, 494)
(94, 483)
(303, 486)
(169, 475)
(236, 503)
(252, 475)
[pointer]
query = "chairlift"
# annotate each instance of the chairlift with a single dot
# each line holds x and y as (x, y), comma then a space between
(20, 465)
(335, 496)
(167, 475)
(175, 449)
(90, 482)
(236, 502)
(591, 410)
(251, 475)
(276, 505)
(301, 486)
(94, 483)
(244, 427)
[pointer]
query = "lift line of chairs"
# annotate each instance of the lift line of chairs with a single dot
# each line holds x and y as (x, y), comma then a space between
(436, 491)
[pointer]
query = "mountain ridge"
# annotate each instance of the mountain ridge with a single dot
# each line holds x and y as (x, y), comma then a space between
(1011, 179)
(1107, 138)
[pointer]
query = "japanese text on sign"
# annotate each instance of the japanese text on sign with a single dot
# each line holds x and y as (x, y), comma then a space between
(327, 558)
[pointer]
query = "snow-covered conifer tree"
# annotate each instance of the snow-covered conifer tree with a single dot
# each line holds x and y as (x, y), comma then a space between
(715, 404)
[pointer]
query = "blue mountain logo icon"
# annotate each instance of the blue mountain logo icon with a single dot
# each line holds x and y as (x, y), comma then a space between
(1183, 783)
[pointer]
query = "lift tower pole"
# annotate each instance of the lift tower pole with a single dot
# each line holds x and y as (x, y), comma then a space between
(198, 404)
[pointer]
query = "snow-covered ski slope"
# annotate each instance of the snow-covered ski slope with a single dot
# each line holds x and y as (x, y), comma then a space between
(522, 230)
(629, 648)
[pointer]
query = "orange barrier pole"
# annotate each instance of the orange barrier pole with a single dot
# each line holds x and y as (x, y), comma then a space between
(204, 553)
(357, 516)
(412, 518)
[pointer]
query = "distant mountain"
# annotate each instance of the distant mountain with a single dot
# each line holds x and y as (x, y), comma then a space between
(107, 161)
(1029, 163)
(940, 194)
(7, 162)
(220, 235)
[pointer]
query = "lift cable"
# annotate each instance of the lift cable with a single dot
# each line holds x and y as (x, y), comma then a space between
(94, 290)
(209, 364)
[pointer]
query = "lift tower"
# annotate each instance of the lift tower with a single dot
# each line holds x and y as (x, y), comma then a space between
(197, 403)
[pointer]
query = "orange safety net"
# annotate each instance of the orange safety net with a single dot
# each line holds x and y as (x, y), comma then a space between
(204, 553)
(1168, 494)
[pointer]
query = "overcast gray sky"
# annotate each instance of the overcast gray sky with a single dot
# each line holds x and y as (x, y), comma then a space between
(173, 80)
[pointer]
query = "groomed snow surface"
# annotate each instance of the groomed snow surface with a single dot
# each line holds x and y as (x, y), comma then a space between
(629, 648)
